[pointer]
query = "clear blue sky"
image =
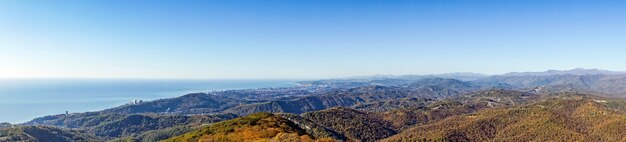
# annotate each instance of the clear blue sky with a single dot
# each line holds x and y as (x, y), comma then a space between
(260, 39)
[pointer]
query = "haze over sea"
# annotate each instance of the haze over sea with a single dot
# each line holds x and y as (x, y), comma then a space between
(25, 99)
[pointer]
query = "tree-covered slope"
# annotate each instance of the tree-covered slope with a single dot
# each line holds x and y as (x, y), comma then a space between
(190, 103)
(113, 125)
(44, 134)
(354, 124)
(569, 118)
(254, 127)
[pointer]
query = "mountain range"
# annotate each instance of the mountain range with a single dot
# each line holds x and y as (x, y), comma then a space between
(571, 105)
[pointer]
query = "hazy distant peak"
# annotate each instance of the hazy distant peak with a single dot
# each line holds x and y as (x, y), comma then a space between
(576, 71)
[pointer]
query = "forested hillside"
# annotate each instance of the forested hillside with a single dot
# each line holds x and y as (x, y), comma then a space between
(114, 125)
(568, 118)
(255, 127)
(44, 133)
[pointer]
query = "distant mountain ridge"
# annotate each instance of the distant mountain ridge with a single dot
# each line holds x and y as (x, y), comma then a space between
(467, 76)
(576, 71)
(455, 75)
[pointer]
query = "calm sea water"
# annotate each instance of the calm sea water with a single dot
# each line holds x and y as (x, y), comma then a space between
(24, 99)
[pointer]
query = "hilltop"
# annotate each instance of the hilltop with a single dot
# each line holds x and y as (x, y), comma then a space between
(254, 127)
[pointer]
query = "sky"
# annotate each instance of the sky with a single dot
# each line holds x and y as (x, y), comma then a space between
(285, 39)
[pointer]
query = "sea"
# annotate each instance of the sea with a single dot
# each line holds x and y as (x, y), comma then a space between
(22, 100)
